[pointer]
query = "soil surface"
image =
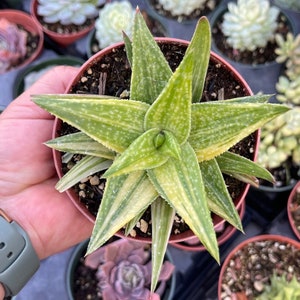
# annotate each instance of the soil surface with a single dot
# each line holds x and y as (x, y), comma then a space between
(111, 76)
(256, 57)
(295, 209)
(251, 268)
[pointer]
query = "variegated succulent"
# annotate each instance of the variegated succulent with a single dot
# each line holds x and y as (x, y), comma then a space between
(250, 24)
(182, 7)
(162, 147)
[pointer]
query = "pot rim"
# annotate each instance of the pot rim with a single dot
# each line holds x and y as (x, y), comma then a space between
(295, 190)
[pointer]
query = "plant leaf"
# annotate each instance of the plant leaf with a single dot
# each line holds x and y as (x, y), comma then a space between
(85, 167)
(99, 117)
(242, 168)
(171, 111)
(150, 69)
(200, 46)
(162, 216)
(80, 143)
(131, 224)
(124, 197)
(219, 200)
(218, 126)
(248, 99)
(142, 154)
(180, 183)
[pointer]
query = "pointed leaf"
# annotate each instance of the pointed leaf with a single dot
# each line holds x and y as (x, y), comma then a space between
(172, 109)
(124, 197)
(249, 99)
(150, 70)
(218, 126)
(85, 167)
(219, 200)
(200, 46)
(99, 117)
(142, 154)
(162, 216)
(128, 47)
(238, 166)
(80, 143)
(180, 183)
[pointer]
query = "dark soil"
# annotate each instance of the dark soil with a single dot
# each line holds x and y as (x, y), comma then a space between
(32, 42)
(256, 57)
(196, 14)
(295, 210)
(111, 76)
(252, 267)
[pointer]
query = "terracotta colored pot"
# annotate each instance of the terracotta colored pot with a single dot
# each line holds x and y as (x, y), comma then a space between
(92, 61)
(21, 18)
(63, 40)
(224, 231)
(229, 259)
(293, 209)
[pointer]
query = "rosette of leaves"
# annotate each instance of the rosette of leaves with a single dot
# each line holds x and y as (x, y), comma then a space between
(114, 18)
(68, 12)
(12, 44)
(280, 288)
(124, 271)
(250, 24)
(162, 147)
(182, 7)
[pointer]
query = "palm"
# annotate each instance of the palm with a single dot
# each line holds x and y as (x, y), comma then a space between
(27, 174)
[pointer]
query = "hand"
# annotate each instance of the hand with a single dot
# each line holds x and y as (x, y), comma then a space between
(27, 174)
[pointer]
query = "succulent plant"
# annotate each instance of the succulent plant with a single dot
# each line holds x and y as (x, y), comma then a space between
(114, 18)
(280, 140)
(291, 4)
(250, 24)
(162, 147)
(124, 271)
(12, 45)
(68, 12)
(280, 288)
(182, 7)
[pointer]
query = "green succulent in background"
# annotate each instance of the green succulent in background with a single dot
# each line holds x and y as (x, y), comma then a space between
(250, 24)
(280, 288)
(163, 147)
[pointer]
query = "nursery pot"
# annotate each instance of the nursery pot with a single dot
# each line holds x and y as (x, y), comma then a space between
(102, 58)
(253, 262)
(63, 39)
(29, 24)
(293, 209)
(79, 253)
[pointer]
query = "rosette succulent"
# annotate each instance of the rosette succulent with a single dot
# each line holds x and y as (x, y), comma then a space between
(162, 147)
(182, 7)
(12, 45)
(114, 18)
(280, 288)
(68, 12)
(124, 271)
(250, 24)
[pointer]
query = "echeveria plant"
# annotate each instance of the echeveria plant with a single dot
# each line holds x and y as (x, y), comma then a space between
(68, 11)
(12, 44)
(250, 24)
(182, 7)
(124, 271)
(114, 18)
(163, 147)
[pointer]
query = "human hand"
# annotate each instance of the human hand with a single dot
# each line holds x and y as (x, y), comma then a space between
(27, 173)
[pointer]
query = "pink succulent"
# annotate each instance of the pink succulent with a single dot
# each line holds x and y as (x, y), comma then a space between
(124, 271)
(12, 45)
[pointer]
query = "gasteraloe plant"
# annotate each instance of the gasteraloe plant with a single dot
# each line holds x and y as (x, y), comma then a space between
(162, 147)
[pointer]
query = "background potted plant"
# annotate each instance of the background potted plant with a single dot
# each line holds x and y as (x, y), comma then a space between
(66, 21)
(248, 269)
(244, 33)
(21, 39)
(157, 145)
(121, 269)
